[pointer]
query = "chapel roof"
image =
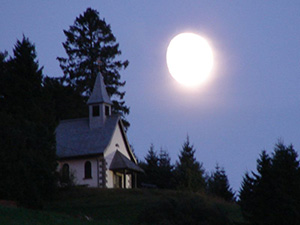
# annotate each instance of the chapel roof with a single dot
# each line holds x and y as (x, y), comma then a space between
(74, 138)
(99, 94)
(121, 162)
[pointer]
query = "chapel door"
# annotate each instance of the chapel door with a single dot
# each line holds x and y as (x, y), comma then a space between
(118, 180)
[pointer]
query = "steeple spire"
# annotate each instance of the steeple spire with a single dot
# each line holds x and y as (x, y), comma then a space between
(99, 104)
(99, 94)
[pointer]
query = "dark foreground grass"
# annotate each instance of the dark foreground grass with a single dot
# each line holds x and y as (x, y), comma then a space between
(21, 216)
(106, 206)
(81, 206)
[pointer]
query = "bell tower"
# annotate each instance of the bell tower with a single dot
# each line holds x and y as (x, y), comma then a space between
(99, 104)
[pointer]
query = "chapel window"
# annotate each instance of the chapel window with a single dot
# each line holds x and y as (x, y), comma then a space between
(96, 110)
(87, 170)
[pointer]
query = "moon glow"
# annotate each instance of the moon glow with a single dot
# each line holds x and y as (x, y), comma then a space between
(189, 59)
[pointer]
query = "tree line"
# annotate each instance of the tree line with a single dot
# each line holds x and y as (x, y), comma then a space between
(270, 195)
(186, 174)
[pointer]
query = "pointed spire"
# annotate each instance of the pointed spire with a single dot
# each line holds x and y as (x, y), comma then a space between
(99, 94)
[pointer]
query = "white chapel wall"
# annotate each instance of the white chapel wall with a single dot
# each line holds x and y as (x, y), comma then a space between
(76, 167)
(117, 143)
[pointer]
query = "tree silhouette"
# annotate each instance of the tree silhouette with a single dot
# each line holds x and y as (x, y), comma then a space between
(218, 185)
(151, 166)
(272, 194)
(27, 123)
(89, 40)
(165, 171)
(189, 172)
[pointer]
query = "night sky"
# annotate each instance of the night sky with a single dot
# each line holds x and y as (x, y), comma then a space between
(252, 100)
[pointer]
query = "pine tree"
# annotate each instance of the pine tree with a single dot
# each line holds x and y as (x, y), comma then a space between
(89, 40)
(272, 195)
(189, 172)
(3, 77)
(27, 140)
(246, 196)
(165, 178)
(151, 157)
(151, 168)
(218, 185)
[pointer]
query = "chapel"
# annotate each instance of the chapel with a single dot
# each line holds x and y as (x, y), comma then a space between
(95, 150)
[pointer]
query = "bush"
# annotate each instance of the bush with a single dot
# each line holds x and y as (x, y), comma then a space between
(66, 181)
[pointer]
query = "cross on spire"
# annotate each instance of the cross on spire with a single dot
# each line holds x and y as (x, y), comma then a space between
(100, 63)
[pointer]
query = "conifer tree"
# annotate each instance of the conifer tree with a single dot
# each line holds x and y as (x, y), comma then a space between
(89, 40)
(272, 194)
(151, 157)
(27, 141)
(151, 168)
(165, 177)
(246, 195)
(218, 185)
(188, 171)
(3, 77)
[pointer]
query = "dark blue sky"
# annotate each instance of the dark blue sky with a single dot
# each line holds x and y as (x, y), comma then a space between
(252, 100)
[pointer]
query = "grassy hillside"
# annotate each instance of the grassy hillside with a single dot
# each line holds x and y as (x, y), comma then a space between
(20, 216)
(116, 207)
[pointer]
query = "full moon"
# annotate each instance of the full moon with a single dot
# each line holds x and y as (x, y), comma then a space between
(189, 59)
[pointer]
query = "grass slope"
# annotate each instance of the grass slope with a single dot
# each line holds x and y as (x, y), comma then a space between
(21, 216)
(105, 207)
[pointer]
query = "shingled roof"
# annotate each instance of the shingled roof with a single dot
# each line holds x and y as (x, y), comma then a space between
(74, 138)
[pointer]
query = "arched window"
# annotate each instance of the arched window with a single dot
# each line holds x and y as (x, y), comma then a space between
(65, 172)
(87, 170)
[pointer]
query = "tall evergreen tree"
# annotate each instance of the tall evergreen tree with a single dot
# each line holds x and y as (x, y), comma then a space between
(158, 170)
(272, 194)
(3, 76)
(151, 157)
(218, 185)
(246, 195)
(165, 177)
(189, 172)
(27, 140)
(151, 169)
(88, 40)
